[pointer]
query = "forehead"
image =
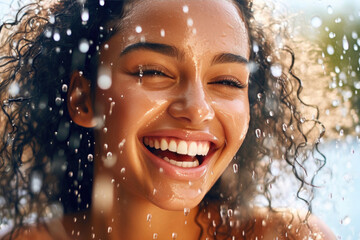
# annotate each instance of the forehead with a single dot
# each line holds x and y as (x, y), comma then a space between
(209, 23)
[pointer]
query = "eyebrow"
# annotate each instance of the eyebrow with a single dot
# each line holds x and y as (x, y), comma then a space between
(228, 58)
(172, 51)
(164, 49)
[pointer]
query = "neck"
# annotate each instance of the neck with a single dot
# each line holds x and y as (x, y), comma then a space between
(134, 217)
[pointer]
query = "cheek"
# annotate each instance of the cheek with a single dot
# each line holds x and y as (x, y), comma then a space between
(234, 117)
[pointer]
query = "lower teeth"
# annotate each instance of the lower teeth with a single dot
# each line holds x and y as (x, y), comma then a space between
(182, 164)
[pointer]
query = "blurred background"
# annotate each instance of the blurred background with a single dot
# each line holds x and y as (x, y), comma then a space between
(325, 35)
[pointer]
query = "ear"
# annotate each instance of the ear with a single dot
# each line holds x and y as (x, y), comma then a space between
(79, 101)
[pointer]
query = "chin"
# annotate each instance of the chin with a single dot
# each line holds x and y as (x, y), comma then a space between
(176, 204)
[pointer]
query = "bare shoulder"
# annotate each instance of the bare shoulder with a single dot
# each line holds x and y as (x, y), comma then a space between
(290, 223)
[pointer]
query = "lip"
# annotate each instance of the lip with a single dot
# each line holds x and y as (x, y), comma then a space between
(176, 172)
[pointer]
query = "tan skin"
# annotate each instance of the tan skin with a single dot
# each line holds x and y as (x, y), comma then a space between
(185, 94)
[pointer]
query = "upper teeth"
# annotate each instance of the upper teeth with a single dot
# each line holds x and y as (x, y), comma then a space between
(191, 148)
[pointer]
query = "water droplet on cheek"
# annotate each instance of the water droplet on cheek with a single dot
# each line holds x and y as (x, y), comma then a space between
(148, 217)
(186, 211)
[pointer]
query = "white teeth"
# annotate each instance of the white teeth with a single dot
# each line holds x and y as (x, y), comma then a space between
(190, 148)
(182, 148)
(172, 146)
(151, 143)
(182, 164)
(164, 144)
(206, 149)
(156, 144)
(193, 149)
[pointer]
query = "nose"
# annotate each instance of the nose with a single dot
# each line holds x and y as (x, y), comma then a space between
(192, 105)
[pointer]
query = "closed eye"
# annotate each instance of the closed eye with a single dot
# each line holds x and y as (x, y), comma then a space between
(229, 82)
(151, 71)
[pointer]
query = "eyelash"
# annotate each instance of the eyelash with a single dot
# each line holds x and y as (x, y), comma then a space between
(229, 82)
(150, 71)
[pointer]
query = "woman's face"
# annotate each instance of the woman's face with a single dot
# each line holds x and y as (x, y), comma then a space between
(177, 109)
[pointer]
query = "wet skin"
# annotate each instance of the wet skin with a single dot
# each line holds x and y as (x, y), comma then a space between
(182, 76)
(193, 88)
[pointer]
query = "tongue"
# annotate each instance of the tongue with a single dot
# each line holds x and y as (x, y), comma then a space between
(172, 155)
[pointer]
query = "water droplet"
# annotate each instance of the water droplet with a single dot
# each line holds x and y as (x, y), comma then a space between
(155, 236)
(68, 32)
(101, 2)
(345, 43)
(52, 19)
(332, 35)
(161, 170)
(337, 69)
(109, 230)
(85, 15)
(354, 35)
(90, 157)
(58, 101)
(122, 171)
(235, 168)
(330, 10)
(230, 213)
(14, 89)
(255, 47)
(338, 20)
(56, 36)
(162, 33)
(106, 146)
(252, 66)
(263, 223)
(104, 80)
(148, 217)
(284, 127)
(138, 29)
(36, 182)
(174, 236)
(190, 22)
(185, 9)
(186, 211)
(64, 88)
(84, 45)
(276, 70)
(330, 50)
(345, 221)
(316, 22)
(357, 85)
(258, 133)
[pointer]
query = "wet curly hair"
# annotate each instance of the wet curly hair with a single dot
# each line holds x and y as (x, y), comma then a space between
(46, 160)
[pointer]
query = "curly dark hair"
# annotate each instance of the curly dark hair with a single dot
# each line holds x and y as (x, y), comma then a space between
(40, 50)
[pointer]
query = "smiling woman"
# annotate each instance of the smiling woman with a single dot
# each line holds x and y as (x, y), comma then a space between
(128, 113)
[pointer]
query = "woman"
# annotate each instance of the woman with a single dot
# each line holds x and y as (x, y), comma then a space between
(146, 103)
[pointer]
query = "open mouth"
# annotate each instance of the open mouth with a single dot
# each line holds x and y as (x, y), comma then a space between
(186, 154)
